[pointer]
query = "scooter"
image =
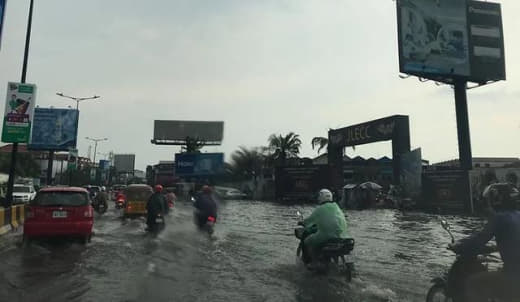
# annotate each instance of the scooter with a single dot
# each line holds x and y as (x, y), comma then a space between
(450, 286)
(208, 225)
(120, 203)
(101, 208)
(336, 251)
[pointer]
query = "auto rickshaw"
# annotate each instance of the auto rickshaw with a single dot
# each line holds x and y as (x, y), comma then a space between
(136, 198)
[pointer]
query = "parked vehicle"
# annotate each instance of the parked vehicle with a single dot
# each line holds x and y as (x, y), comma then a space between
(334, 252)
(449, 286)
(59, 211)
(136, 198)
(229, 193)
(23, 193)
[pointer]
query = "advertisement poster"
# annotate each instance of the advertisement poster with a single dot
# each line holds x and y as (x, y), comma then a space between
(411, 173)
(200, 164)
(19, 109)
(433, 38)
(54, 129)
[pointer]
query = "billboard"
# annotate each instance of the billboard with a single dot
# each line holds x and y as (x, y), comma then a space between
(176, 132)
(54, 129)
(2, 15)
(301, 182)
(446, 40)
(19, 109)
(487, 41)
(124, 163)
(433, 38)
(199, 164)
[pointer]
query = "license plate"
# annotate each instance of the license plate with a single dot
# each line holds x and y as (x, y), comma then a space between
(158, 220)
(59, 214)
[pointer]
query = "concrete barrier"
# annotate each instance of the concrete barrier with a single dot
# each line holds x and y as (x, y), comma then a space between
(11, 218)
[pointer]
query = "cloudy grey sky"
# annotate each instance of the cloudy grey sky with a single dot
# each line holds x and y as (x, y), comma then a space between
(263, 67)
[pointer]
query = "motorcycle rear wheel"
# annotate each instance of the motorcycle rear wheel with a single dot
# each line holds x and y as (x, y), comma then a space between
(437, 293)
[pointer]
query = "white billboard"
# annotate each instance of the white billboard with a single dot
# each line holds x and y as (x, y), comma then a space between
(433, 38)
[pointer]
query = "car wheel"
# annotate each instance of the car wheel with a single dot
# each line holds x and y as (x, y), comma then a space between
(86, 239)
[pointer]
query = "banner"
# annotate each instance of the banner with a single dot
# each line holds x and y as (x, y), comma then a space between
(19, 109)
(54, 129)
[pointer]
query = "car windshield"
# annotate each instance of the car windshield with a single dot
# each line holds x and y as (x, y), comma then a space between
(22, 189)
(73, 199)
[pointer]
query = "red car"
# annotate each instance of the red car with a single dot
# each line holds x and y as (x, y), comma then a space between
(59, 211)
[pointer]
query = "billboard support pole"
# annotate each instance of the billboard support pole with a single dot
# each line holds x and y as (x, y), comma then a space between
(14, 151)
(50, 162)
(465, 157)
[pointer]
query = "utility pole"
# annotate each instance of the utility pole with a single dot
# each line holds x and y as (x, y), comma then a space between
(14, 151)
(96, 141)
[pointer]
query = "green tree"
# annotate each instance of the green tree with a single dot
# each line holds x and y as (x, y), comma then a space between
(284, 147)
(320, 142)
(26, 166)
(246, 163)
(193, 145)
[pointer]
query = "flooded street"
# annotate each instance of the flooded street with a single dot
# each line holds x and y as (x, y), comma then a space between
(251, 258)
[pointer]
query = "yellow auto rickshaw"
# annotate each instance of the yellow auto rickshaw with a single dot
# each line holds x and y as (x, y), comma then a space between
(136, 198)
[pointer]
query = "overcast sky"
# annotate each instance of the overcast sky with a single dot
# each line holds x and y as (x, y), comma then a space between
(262, 67)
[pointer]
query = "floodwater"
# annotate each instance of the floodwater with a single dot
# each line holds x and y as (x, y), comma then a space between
(250, 258)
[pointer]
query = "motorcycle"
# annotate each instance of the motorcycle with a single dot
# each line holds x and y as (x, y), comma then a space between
(450, 286)
(120, 203)
(207, 225)
(335, 251)
(158, 225)
(101, 208)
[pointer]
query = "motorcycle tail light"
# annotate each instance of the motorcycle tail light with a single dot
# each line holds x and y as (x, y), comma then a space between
(211, 218)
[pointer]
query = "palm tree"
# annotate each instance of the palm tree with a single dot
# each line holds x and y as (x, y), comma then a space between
(247, 163)
(284, 147)
(193, 145)
(320, 141)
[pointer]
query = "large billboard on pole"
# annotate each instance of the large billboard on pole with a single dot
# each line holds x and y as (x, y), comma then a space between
(448, 40)
(54, 129)
(19, 110)
(124, 163)
(176, 132)
(433, 37)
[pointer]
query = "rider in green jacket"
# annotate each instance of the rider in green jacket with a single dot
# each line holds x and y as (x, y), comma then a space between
(325, 223)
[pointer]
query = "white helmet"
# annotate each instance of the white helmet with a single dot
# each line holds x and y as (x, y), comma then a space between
(324, 196)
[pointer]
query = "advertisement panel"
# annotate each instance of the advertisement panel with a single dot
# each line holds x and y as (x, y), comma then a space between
(54, 129)
(124, 163)
(301, 182)
(199, 164)
(173, 132)
(433, 38)
(445, 188)
(2, 15)
(487, 42)
(19, 109)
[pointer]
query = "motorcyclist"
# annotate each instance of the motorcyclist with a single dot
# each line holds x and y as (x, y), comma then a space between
(206, 206)
(155, 206)
(101, 199)
(325, 223)
(504, 226)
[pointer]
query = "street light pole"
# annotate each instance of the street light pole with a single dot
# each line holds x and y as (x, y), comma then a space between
(14, 151)
(96, 141)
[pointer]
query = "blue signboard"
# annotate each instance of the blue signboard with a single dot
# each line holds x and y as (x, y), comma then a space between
(54, 129)
(2, 14)
(199, 164)
(104, 164)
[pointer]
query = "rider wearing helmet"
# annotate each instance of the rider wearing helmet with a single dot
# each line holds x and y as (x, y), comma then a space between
(325, 223)
(206, 206)
(155, 205)
(504, 226)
